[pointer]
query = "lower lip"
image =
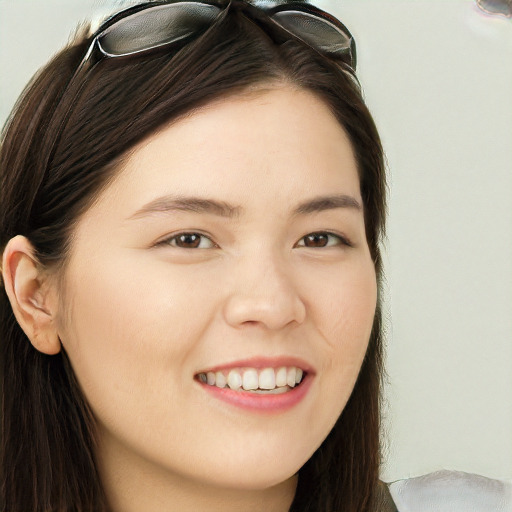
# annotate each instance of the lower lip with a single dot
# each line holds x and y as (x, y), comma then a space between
(260, 402)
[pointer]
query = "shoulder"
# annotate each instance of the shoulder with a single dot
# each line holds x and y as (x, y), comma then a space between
(452, 491)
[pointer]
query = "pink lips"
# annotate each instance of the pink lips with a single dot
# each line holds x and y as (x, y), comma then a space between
(269, 403)
(264, 362)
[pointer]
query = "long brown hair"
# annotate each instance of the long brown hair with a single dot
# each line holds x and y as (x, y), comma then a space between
(51, 173)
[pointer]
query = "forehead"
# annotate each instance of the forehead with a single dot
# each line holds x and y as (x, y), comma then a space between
(257, 148)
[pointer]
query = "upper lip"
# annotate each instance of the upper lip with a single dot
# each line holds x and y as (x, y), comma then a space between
(261, 362)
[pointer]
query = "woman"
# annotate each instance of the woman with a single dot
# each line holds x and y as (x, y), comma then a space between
(192, 204)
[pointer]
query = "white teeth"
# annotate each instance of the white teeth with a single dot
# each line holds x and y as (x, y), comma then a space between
(267, 379)
(275, 391)
(290, 377)
(220, 380)
(250, 379)
(281, 377)
(279, 380)
(234, 380)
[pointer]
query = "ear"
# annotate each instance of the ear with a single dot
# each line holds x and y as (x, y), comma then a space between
(32, 299)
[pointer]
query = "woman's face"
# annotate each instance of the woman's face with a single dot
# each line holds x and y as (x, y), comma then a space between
(231, 245)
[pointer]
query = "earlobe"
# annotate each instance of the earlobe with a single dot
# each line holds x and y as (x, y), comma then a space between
(29, 295)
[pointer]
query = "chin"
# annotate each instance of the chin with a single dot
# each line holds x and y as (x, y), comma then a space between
(256, 480)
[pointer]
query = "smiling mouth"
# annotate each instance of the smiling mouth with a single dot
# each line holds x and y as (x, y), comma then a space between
(262, 381)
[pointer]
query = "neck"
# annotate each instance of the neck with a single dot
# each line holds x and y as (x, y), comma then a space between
(133, 484)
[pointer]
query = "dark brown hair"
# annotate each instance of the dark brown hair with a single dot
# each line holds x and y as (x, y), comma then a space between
(51, 173)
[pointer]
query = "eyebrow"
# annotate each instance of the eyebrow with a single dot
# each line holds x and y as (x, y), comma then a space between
(173, 203)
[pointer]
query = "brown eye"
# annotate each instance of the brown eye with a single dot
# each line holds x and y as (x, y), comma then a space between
(190, 241)
(314, 240)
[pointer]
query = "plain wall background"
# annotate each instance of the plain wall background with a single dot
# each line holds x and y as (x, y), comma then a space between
(437, 76)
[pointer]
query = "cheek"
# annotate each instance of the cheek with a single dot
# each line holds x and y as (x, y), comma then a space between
(346, 323)
(129, 328)
(346, 304)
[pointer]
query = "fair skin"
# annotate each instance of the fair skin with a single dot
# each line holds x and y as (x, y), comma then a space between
(142, 314)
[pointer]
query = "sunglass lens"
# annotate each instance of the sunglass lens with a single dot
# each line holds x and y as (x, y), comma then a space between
(156, 26)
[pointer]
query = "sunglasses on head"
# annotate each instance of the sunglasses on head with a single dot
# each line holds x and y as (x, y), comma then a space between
(157, 25)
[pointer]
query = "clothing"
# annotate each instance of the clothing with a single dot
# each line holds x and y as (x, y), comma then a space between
(446, 491)
(383, 502)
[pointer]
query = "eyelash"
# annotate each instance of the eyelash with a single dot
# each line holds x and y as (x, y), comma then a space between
(343, 240)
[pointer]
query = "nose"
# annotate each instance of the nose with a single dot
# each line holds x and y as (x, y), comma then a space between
(262, 291)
